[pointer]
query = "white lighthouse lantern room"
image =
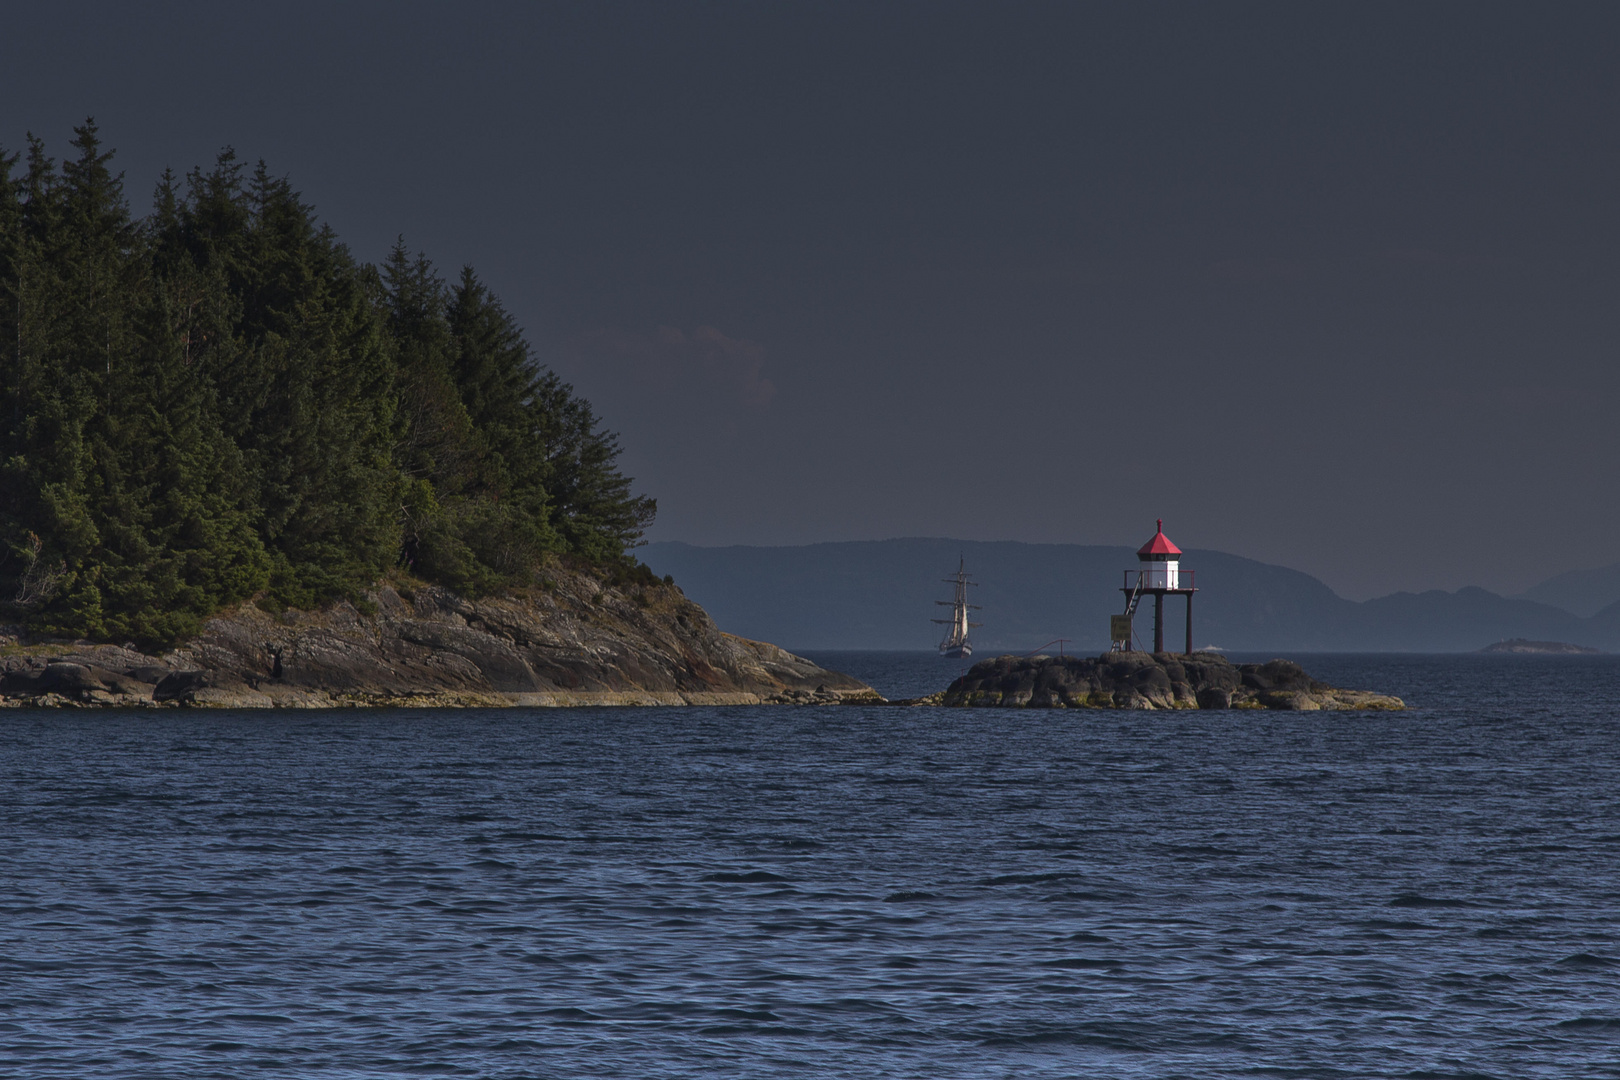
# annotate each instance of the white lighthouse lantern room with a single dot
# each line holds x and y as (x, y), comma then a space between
(1161, 561)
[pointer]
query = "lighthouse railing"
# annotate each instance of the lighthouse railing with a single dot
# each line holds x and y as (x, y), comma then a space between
(1138, 579)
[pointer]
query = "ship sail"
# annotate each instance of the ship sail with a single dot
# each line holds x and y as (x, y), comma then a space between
(956, 643)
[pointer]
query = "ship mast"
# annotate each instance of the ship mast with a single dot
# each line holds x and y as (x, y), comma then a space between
(956, 638)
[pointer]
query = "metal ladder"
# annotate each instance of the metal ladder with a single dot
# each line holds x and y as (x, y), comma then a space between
(1135, 597)
(1131, 602)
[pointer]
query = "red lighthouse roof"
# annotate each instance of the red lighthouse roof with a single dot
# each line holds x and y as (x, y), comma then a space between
(1159, 545)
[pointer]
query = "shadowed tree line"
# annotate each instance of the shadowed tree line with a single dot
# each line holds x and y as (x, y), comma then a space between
(216, 402)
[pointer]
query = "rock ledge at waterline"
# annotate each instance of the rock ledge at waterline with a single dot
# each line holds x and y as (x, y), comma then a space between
(579, 641)
(1138, 680)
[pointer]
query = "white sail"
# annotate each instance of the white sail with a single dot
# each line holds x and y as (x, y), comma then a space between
(956, 643)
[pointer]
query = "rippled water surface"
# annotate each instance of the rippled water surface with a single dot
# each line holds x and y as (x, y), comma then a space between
(826, 891)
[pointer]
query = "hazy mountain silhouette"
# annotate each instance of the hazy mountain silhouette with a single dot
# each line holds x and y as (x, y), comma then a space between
(880, 595)
(1581, 592)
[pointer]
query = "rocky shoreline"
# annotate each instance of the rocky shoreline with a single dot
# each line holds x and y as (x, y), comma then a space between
(580, 639)
(1138, 680)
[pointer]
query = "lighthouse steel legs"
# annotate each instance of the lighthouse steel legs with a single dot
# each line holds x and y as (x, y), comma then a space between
(1158, 622)
(1158, 616)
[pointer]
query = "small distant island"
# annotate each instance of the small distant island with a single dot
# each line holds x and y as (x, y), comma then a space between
(1554, 648)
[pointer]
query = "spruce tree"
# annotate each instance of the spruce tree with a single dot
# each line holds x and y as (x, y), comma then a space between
(141, 528)
(216, 403)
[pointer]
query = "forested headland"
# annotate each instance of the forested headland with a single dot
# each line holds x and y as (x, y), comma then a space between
(216, 402)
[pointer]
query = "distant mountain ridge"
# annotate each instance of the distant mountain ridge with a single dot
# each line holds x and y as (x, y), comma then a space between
(880, 594)
(1580, 592)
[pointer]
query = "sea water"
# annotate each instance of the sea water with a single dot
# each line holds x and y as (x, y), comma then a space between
(853, 891)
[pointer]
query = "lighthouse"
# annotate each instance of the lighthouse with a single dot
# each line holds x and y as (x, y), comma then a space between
(1159, 574)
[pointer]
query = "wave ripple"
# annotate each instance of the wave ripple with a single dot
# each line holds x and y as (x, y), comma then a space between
(791, 892)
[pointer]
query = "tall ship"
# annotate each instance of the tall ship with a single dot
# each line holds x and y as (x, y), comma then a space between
(956, 645)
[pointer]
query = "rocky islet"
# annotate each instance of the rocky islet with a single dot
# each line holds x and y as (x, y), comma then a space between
(1139, 680)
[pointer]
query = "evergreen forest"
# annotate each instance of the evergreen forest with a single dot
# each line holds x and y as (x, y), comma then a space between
(216, 403)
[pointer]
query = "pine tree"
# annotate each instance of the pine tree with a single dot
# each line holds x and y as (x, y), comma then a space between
(305, 379)
(217, 402)
(595, 512)
(496, 380)
(119, 516)
(443, 458)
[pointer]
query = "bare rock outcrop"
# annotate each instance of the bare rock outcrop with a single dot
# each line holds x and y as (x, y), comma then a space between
(1137, 680)
(579, 640)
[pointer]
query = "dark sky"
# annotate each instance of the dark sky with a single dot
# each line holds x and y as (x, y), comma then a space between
(1334, 287)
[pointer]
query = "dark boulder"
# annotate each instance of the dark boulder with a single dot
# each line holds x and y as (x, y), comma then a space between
(69, 680)
(1277, 675)
(178, 685)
